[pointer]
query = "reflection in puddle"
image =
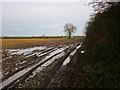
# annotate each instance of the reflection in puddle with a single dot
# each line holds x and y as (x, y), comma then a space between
(25, 51)
(71, 54)
(46, 64)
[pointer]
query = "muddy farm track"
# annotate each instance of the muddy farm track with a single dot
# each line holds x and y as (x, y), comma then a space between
(35, 67)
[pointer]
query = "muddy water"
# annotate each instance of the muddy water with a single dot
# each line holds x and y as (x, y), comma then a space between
(23, 72)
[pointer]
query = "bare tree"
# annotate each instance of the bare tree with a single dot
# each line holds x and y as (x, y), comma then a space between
(69, 29)
(102, 5)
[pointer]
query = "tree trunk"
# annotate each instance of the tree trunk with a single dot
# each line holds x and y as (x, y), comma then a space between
(69, 36)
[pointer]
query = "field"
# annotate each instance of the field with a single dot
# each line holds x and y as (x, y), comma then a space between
(25, 43)
(35, 60)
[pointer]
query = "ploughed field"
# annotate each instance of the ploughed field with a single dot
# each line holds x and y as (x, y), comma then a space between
(30, 63)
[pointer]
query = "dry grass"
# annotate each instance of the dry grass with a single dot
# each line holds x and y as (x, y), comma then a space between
(25, 43)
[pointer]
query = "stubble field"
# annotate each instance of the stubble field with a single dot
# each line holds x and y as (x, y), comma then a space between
(26, 43)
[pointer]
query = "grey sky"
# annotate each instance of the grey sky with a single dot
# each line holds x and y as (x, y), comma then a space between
(25, 18)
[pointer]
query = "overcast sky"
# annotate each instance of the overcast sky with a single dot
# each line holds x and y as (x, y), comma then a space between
(38, 18)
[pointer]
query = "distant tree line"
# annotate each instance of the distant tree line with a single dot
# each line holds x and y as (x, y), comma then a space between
(45, 37)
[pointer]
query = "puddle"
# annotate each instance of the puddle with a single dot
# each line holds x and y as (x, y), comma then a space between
(71, 54)
(25, 51)
(12, 78)
(46, 64)
(66, 61)
(39, 54)
(55, 52)
(78, 46)
(24, 71)
(0, 75)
